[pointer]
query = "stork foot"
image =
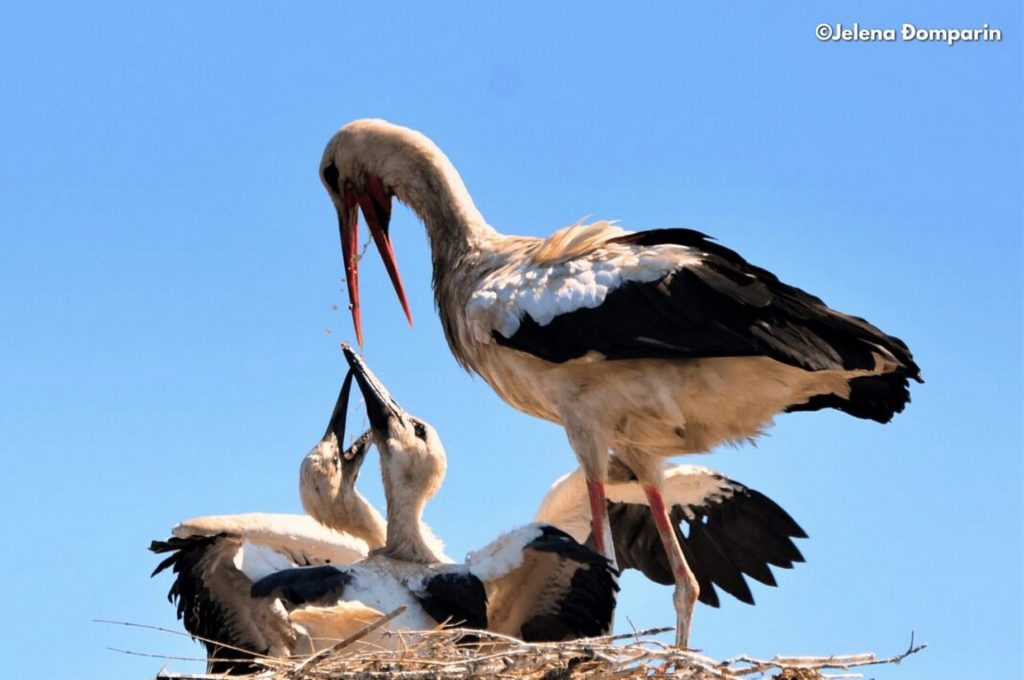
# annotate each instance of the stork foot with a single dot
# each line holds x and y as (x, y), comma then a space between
(683, 599)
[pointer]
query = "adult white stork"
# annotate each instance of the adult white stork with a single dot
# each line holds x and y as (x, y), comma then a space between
(536, 583)
(726, 530)
(650, 344)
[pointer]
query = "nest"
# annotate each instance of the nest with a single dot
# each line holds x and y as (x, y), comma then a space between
(444, 653)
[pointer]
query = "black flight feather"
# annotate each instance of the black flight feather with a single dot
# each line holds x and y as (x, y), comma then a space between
(725, 539)
(304, 585)
(198, 610)
(726, 307)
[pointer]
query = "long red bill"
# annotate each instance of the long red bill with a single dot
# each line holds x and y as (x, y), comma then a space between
(376, 205)
(348, 228)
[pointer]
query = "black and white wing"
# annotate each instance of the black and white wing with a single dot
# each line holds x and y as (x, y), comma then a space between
(726, 530)
(675, 293)
(319, 603)
(332, 602)
(215, 561)
(544, 586)
(212, 600)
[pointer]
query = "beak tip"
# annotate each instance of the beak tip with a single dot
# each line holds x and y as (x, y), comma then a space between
(350, 354)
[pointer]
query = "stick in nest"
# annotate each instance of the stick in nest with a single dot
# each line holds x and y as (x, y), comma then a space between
(437, 654)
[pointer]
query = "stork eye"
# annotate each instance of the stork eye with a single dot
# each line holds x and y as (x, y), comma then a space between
(419, 429)
(331, 176)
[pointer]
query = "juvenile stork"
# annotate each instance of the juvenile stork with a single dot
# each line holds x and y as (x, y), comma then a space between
(536, 583)
(216, 559)
(651, 343)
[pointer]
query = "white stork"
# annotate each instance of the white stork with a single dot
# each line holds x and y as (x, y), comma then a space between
(650, 344)
(731, 530)
(279, 585)
(216, 559)
(536, 583)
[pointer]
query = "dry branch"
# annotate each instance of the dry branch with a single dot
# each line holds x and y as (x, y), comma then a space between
(439, 655)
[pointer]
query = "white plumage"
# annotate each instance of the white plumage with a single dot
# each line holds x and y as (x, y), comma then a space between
(278, 585)
(649, 343)
(544, 290)
(217, 559)
(687, 486)
(488, 590)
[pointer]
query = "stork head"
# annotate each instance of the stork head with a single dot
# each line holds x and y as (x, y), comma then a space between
(364, 166)
(328, 474)
(413, 460)
(328, 477)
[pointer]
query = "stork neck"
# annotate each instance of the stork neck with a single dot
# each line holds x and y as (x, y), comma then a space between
(406, 533)
(442, 202)
(366, 522)
(432, 187)
(355, 515)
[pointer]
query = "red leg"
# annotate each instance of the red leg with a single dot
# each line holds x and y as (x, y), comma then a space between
(685, 596)
(599, 525)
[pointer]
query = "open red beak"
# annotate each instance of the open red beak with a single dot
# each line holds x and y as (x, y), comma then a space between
(375, 203)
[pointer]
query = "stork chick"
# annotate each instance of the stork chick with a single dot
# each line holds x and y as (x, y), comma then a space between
(216, 559)
(536, 583)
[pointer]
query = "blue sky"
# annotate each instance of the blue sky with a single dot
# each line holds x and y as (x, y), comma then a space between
(171, 263)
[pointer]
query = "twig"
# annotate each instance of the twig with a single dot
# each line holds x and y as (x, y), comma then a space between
(323, 654)
(251, 656)
(442, 654)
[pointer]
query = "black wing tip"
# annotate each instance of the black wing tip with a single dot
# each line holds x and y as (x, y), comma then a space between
(160, 547)
(872, 397)
(203, 617)
(179, 549)
(779, 519)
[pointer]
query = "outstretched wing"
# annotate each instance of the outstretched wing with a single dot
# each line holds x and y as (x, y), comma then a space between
(274, 540)
(212, 598)
(726, 530)
(217, 558)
